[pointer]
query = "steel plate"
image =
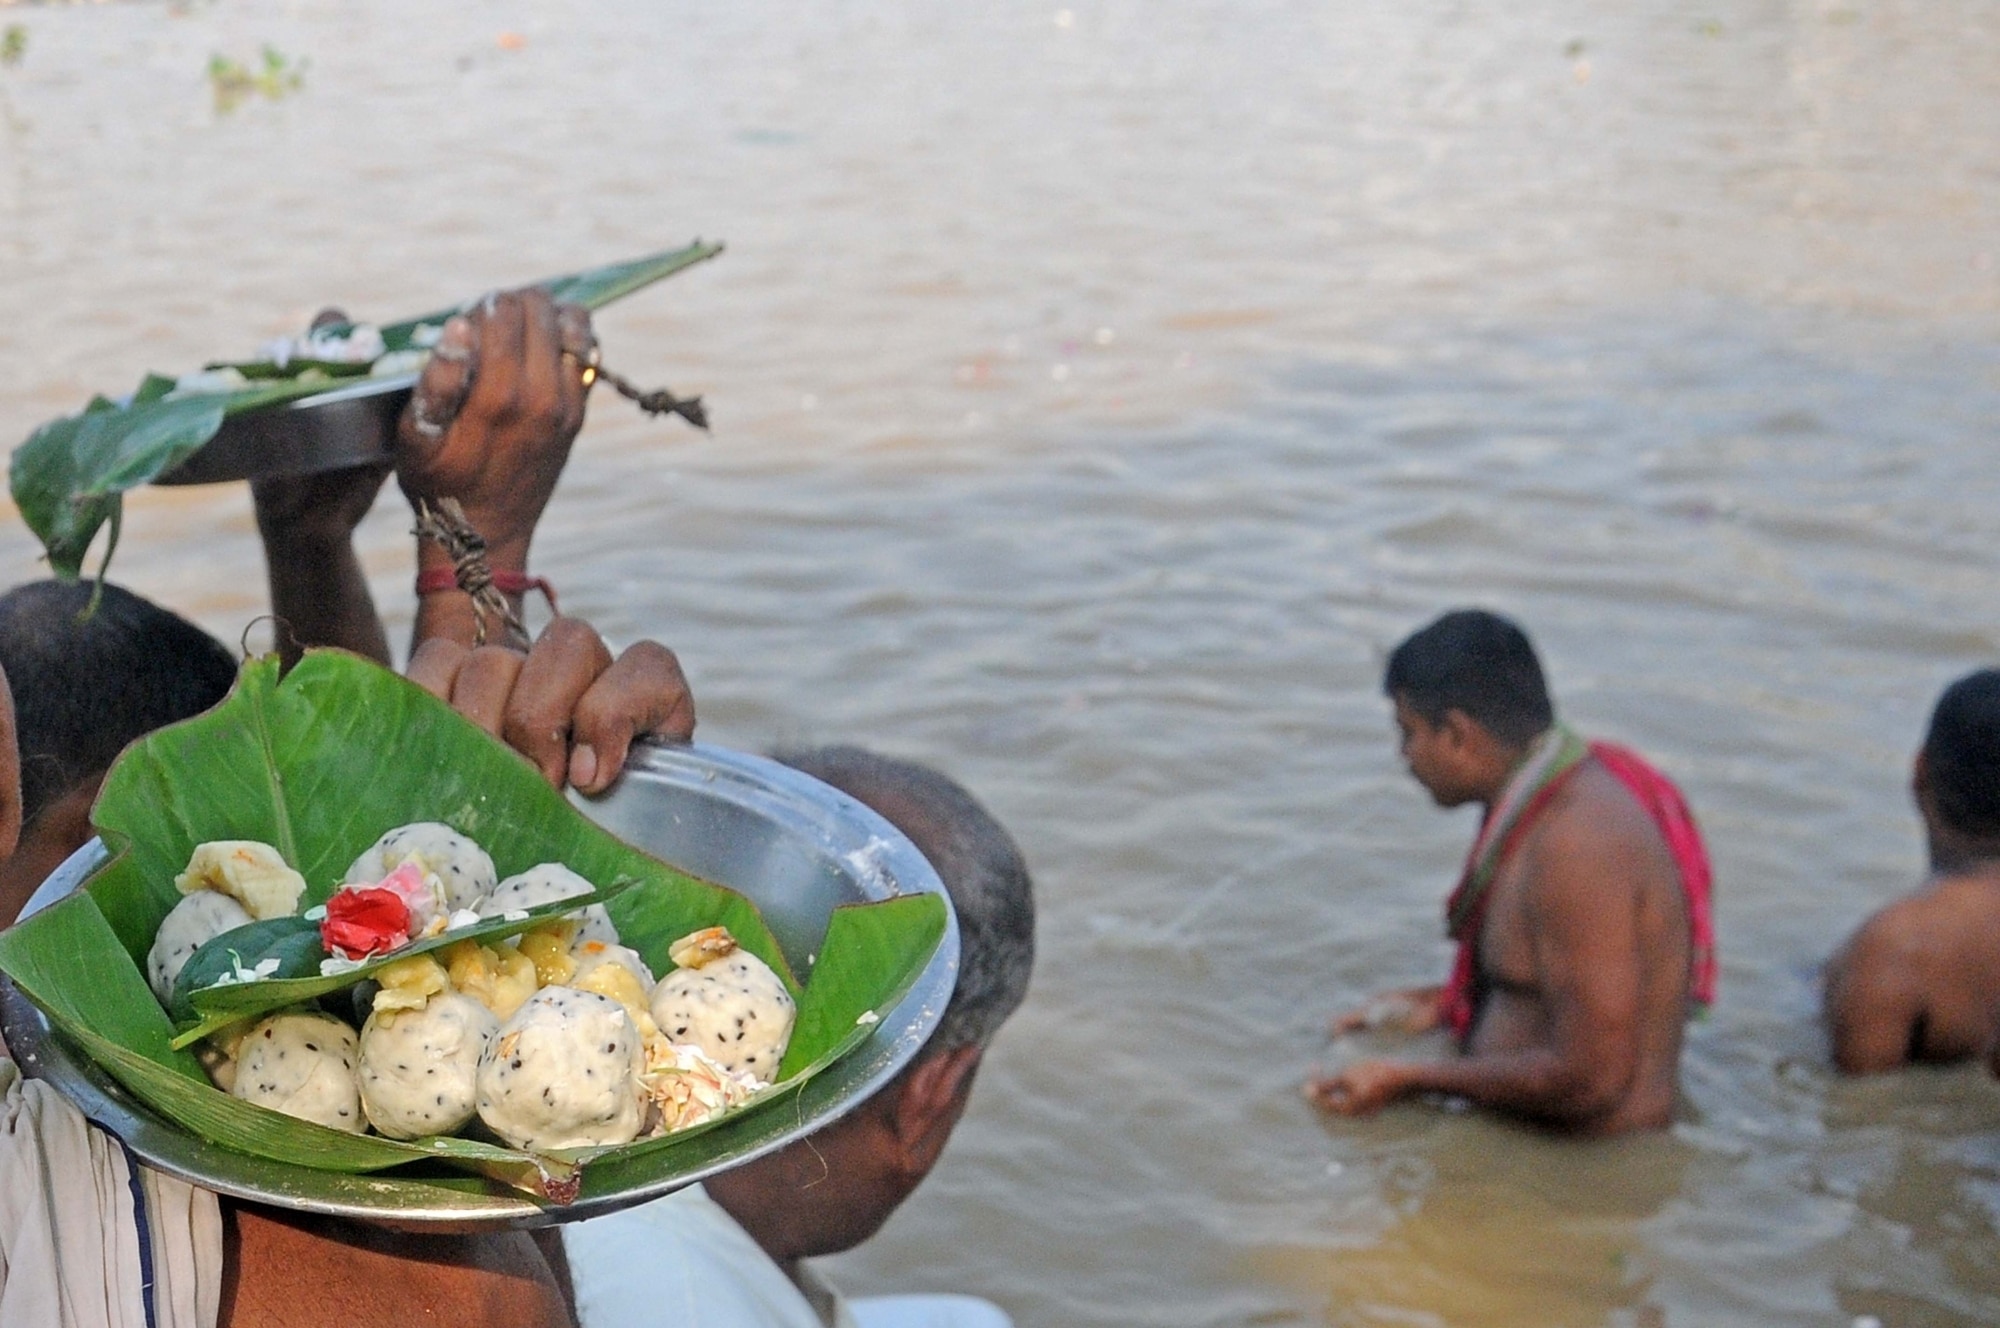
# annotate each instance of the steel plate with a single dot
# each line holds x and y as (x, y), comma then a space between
(792, 844)
(353, 424)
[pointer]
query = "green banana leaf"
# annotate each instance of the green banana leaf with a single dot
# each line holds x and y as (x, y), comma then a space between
(319, 762)
(214, 1007)
(68, 478)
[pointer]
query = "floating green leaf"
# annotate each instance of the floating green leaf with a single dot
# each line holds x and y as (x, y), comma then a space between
(319, 763)
(68, 478)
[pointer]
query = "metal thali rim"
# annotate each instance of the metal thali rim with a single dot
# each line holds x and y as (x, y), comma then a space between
(842, 825)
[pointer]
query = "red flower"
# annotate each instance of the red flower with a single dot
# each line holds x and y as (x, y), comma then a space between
(365, 921)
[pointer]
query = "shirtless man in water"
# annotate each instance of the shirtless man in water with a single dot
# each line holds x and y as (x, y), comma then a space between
(1920, 980)
(1578, 943)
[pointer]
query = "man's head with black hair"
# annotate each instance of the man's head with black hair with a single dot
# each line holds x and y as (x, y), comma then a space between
(833, 1190)
(1479, 664)
(84, 687)
(1959, 771)
(980, 866)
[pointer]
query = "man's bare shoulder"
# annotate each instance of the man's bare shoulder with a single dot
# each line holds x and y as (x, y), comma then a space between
(1594, 829)
(1951, 913)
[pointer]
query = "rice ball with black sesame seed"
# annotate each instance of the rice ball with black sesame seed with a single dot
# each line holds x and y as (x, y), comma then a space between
(460, 865)
(303, 1065)
(418, 1068)
(550, 883)
(198, 919)
(727, 1002)
(563, 1073)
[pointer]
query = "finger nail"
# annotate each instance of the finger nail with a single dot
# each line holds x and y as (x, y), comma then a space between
(583, 766)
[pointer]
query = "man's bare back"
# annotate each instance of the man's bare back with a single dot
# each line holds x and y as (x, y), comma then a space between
(1582, 974)
(1920, 981)
(1584, 961)
(1575, 923)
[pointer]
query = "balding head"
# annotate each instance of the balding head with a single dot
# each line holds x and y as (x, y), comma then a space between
(980, 865)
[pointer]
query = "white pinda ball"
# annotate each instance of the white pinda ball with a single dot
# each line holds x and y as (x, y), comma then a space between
(461, 865)
(419, 1067)
(725, 1001)
(550, 883)
(303, 1065)
(563, 1073)
(198, 919)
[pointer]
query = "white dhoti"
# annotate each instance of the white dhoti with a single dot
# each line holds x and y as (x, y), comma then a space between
(89, 1239)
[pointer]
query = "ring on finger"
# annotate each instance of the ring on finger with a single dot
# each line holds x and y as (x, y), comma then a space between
(422, 423)
(586, 362)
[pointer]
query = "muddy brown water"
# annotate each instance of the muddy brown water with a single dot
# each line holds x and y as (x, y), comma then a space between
(1100, 389)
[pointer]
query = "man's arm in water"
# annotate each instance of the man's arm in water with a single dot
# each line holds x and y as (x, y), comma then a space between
(1873, 1002)
(1584, 934)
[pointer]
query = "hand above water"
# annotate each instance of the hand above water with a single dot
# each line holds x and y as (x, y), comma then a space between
(495, 413)
(1409, 1010)
(1363, 1088)
(491, 425)
(566, 704)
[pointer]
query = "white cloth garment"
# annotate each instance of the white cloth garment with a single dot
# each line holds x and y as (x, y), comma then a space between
(684, 1260)
(78, 1237)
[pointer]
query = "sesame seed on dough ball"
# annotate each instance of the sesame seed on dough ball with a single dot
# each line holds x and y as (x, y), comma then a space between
(461, 865)
(734, 1008)
(550, 883)
(303, 1065)
(563, 1073)
(418, 1068)
(198, 919)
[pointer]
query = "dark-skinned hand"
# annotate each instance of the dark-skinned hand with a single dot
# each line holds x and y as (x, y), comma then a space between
(566, 704)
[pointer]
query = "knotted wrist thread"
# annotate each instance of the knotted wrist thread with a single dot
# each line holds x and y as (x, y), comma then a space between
(446, 525)
(437, 580)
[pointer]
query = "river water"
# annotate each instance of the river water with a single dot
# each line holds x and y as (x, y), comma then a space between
(1099, 392)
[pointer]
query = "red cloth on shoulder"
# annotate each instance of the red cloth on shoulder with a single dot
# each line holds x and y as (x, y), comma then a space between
(1662, 800)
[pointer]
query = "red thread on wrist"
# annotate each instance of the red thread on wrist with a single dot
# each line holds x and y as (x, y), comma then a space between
(437, 580)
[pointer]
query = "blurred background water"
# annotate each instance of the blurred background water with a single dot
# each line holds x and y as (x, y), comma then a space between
(1099, 392)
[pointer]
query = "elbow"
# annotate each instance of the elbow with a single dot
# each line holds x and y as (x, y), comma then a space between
(1592, 1089)
(1853, 1055)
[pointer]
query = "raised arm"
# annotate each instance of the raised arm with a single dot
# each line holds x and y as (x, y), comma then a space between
(491, 425)
(319, 594)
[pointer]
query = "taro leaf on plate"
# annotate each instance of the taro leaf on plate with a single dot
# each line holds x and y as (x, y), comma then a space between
(68, 477)
(319, 763)
(293, 941)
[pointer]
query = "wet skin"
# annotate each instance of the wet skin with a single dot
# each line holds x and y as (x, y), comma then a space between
(1583, 960)
(1920, 981)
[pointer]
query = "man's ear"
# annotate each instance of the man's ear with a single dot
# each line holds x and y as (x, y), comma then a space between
(928, 1103)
